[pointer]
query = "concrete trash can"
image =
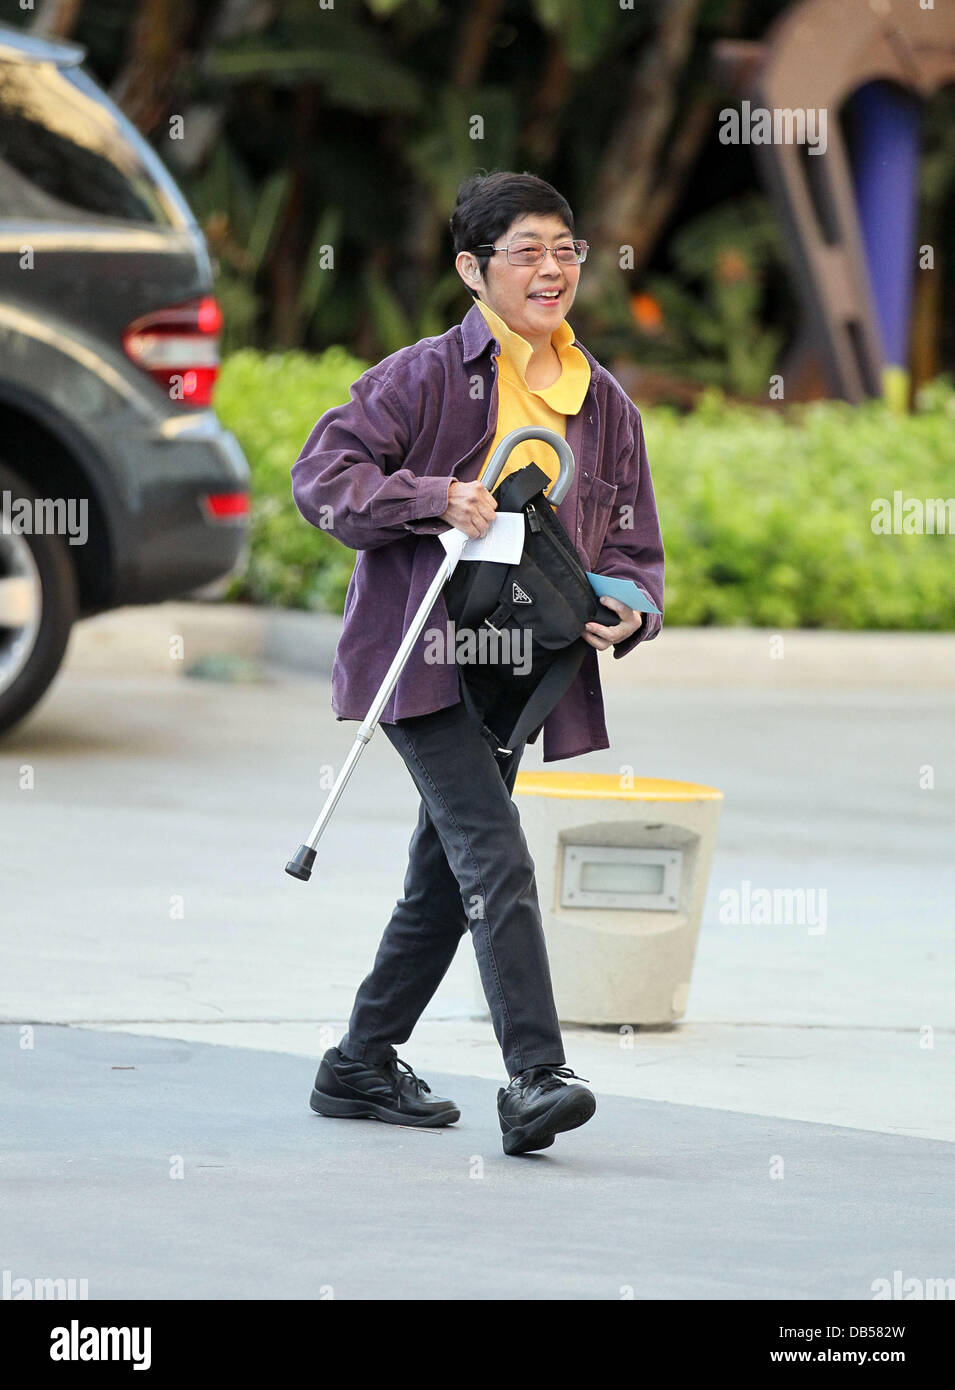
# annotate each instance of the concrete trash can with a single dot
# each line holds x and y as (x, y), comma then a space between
(622, 865)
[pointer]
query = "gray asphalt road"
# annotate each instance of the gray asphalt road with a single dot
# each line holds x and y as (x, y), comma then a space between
(668, 1201)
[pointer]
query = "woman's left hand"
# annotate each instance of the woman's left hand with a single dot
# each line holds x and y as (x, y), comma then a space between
(603, 637)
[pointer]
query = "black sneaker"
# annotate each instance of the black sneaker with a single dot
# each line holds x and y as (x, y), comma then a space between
(537, 1104)
(346, 1087)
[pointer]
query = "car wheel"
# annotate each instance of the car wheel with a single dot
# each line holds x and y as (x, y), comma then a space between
(38, 606)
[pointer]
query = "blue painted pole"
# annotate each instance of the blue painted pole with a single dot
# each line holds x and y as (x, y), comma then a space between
(885, 166)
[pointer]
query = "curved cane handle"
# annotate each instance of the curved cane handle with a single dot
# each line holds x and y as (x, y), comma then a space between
(557, 491)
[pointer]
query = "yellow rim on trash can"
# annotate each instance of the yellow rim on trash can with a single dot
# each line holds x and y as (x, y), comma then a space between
(604, 786)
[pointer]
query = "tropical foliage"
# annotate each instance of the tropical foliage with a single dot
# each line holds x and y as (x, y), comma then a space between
(767, 518)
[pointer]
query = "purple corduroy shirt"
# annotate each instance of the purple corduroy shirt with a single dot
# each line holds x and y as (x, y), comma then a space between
(375, 474)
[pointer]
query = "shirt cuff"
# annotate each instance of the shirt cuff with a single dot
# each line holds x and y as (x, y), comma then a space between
(651, 625)
(431, 500)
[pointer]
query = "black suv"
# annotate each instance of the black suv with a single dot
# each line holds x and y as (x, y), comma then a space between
(118, 485)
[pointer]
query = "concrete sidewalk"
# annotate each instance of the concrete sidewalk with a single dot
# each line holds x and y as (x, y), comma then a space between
(198, 790)
(785, 1140)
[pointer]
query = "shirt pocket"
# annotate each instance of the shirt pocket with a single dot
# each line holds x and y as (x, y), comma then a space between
(596, 509)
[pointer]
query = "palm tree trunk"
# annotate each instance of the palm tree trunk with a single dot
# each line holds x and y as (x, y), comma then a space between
(628, 178)
(165, 36)
(287, 261)
(421, 243)
(57, 19)
(551, 95)
(471, 48)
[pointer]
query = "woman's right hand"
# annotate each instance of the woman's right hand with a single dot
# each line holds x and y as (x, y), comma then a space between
(471, 508)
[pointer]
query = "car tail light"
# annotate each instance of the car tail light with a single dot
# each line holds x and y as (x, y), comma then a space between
(226, 506)
(179, 348)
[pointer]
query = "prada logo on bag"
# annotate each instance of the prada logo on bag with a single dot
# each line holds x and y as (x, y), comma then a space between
(518, 595)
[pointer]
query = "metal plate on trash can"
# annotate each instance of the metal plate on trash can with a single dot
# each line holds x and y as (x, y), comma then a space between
(614, 876)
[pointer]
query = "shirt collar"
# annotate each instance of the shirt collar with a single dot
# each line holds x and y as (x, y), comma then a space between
(476, 333)
(566, 395)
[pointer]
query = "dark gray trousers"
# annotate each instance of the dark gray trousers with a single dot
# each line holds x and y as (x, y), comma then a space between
(469, 869)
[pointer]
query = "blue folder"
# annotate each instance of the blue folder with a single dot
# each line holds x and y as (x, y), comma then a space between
(623, 589)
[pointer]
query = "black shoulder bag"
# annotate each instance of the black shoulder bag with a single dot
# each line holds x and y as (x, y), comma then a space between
(539, 605)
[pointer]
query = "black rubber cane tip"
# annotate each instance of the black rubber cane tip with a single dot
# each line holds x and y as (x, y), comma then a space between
(300, 866)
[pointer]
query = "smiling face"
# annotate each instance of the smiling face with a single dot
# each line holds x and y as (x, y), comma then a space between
(515, 291)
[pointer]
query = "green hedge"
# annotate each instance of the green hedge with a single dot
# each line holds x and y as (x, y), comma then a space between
(271, 401)
(767, 517)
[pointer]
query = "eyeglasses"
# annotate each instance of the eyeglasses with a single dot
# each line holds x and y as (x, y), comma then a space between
(534, 252)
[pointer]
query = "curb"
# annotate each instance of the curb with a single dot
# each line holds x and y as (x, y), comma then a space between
(181, 638)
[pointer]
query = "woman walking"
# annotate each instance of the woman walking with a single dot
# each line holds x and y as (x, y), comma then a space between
(400, 462)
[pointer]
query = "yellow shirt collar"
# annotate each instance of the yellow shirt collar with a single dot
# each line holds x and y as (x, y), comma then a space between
(568, 391)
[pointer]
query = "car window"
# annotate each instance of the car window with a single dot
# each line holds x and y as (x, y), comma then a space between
(66, 151)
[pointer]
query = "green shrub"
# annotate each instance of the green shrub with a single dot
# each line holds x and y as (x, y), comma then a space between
(766, 516)
(271, 401)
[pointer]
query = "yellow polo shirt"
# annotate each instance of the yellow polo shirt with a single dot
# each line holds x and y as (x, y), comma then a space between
(519, 404)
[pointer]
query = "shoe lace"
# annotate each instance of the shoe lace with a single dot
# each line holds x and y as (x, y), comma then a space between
(396, 1062)
(546, 1077)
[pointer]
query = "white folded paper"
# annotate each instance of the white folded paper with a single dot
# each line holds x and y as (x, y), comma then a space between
(504, 541)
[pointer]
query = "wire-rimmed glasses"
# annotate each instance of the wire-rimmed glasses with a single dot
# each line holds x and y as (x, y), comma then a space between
(528, 251)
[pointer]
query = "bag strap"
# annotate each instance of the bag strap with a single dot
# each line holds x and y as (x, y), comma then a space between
(546, 695)
(483, 593)
(519, 487)
(489, 736)
(550, 689)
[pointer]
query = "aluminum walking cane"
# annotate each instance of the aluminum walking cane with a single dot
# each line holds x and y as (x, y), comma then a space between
(300, 865)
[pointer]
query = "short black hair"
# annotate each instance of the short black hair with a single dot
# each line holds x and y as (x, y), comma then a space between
(487, 204)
